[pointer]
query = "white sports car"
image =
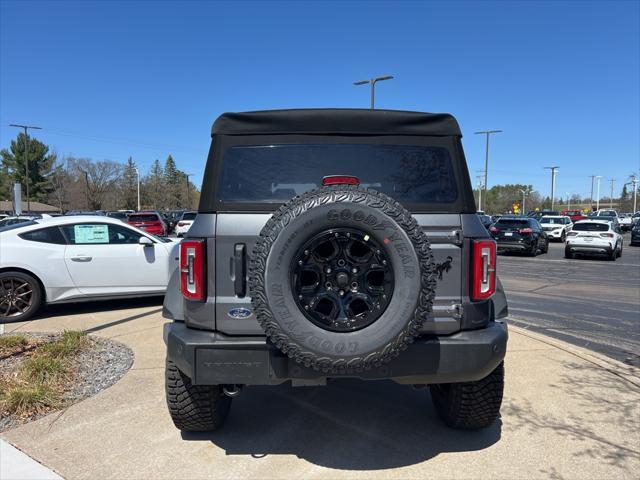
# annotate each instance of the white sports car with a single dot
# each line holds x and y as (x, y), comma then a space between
(77, 258)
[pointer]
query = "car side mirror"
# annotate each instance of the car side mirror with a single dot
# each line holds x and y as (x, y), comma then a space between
(145, 241)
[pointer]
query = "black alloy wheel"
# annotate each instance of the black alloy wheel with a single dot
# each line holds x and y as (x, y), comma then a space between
(342, 279)
(20, 296)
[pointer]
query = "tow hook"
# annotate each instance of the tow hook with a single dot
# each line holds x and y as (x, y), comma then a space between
(232, 390)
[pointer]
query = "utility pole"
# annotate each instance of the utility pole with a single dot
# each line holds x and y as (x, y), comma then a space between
(486, 157)
(611, 196)
(186, 177)
(598, 177)
(372, 83)
(138, 184)
(524, 195)
(26, 157)
(568, 200)
(634, 183)
(86, 186)
(553, 184)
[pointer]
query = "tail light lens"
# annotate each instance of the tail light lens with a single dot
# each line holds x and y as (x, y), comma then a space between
(494, 229)
(572, 234)
(192, 271)
(181, 224)
(607, 235)
(525, 230)
(483, 275)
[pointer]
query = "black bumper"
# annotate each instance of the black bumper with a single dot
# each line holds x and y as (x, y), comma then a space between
(211, 358)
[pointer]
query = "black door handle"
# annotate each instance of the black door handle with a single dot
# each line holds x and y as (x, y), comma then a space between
(240, 269)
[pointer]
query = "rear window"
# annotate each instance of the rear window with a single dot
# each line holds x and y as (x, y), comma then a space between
(45, 235)
(509, 223)
(189, 216)
(143, 218)
(553, 221)
(591, 227)
(11, 226)
(276, 173)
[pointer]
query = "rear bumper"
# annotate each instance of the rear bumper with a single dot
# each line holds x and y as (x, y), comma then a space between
(514, 246)
(211, 358)
(604, 249)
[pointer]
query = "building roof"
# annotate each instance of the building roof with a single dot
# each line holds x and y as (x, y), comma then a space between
(6, 206)
(336, 121)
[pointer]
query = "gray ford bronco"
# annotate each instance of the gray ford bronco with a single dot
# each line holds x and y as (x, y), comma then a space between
(331, 244)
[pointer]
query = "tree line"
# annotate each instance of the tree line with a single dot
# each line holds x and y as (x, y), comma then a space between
(503, 198)
(73, 183)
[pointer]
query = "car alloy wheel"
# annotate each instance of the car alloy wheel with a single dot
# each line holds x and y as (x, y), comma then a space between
(16, 296)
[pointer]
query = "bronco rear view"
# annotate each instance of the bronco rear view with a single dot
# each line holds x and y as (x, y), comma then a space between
(335, 243)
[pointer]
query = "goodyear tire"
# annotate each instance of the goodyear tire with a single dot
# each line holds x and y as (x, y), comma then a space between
(375, 222)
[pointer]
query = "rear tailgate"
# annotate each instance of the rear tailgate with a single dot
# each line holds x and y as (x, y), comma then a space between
(237, 233)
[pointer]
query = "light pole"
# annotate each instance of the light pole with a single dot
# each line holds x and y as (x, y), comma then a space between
(611, 196)
(26, 158)
(634, 184)
(372, 82)
(591, 197)
(486, 157)
(186, 177)
(553, 184)
(568, 200)
(524, 195)
(138, 184)
(598, 177)
(479, 180)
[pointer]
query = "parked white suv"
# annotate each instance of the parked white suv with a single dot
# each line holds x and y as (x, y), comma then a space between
(556, 226)
(185, 222)
(594, 237)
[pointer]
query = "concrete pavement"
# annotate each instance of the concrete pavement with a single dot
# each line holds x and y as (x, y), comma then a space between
(567, 413)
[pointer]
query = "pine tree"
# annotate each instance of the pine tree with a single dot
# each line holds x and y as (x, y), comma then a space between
(155, 186)
(172, 184)
(129, 186)
(40, 162)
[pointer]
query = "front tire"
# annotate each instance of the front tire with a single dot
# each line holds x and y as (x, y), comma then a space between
(470, 405)
(20, 296)
(194, 408)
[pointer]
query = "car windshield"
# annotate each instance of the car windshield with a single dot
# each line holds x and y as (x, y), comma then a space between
(189, 216)
(554, 221)
(119, 215)
(591, 227)
(143, 218)
(276, 173)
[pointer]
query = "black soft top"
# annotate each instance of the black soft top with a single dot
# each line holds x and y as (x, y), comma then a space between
(336, 121)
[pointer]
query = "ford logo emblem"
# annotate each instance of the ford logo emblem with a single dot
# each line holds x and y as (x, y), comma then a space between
(240, 312)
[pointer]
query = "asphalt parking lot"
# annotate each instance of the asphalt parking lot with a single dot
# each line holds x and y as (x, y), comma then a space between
(589, 302)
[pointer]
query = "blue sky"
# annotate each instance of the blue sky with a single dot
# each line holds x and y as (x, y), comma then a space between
(112, 79)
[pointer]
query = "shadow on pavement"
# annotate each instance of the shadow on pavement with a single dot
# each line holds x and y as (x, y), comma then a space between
(601, 397)
(349, 424)
(64, 309)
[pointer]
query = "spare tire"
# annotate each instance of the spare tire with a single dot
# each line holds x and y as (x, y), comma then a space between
(342, 278)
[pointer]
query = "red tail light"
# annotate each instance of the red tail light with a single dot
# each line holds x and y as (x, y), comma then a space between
(340, 180)
(494, 229)
(608, 235)
(192, 269)
(181, 224)
(525, 230)
(483, 275)
(572, 234)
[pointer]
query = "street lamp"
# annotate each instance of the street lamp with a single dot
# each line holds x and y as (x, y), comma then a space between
(568, 200)
(598, 177)
(553, 184)
(26, 157)
(486, 157)
(372, 82)
(186, 177)
(524, 195)
(138, 184)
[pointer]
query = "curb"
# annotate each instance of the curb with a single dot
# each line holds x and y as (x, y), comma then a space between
(17, 465)
(626, 372)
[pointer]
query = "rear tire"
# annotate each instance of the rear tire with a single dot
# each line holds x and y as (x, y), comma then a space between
(534, 251)
(470, 405)
(613, 255)
(20, 296)
(194, 408)
(568, 253)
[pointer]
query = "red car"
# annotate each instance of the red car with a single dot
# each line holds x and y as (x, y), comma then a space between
(149, 222)
(575, 215)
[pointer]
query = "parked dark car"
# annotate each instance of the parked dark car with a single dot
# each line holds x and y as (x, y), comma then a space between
(486, 220)
(520, 234)
(635, 234)
(119, 215)
(149, 222)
